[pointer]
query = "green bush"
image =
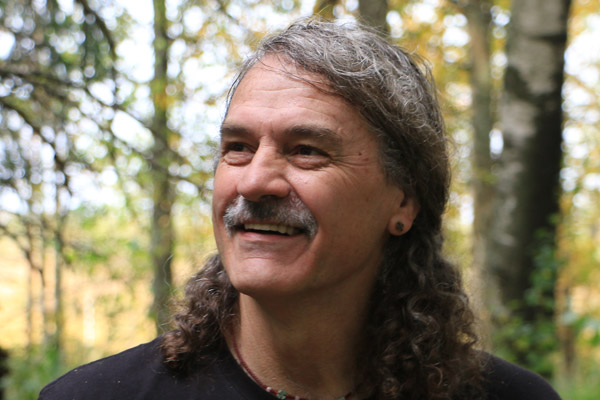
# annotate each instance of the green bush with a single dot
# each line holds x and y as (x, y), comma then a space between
(585, 382)
(30, 370)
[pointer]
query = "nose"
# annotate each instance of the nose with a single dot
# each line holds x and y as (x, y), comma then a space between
(264, 177)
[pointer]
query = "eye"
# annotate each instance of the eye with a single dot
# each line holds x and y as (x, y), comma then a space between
(309, 157)
(304, 150)
(236, 153)
(236, 146)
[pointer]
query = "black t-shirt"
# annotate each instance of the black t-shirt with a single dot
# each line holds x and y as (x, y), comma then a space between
(139, 374)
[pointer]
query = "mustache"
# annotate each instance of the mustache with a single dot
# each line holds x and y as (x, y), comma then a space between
(288, 211)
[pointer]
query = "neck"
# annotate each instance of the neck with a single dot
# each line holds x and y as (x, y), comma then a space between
(307, 348)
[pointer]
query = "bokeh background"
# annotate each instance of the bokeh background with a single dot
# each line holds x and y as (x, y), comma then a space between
(109, 114)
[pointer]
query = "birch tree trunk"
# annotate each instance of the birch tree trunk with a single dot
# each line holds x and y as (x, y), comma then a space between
(528, 180)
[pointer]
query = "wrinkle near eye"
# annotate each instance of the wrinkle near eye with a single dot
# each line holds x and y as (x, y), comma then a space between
(236, 153)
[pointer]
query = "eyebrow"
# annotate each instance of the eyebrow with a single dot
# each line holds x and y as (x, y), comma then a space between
(326, 136)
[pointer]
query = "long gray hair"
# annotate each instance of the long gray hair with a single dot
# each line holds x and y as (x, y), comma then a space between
(420, 329)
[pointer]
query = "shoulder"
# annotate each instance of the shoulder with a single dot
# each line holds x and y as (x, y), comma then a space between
(140, 374)
(119, 376)
(506, 381)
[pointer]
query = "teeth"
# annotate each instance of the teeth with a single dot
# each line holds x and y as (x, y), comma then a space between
(287, 230)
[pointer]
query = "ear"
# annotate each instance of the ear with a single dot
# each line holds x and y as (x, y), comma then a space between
(402, 220)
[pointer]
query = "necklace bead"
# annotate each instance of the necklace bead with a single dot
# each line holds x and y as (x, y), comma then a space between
(280, 394)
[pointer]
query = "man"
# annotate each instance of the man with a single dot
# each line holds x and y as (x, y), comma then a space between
(329, 282)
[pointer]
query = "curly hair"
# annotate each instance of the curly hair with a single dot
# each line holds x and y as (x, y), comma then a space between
(420, 326)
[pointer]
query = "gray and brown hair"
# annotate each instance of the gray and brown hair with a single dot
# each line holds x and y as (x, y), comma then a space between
(420, 328)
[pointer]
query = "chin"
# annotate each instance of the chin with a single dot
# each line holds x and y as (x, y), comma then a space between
(263, 283)
(262, 292)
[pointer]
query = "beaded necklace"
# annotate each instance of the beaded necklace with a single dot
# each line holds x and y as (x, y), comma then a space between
(280, 394)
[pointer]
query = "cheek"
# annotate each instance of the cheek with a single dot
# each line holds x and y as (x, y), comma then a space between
(217, 200)
(330, 194)
(353, 191)
(224, 190)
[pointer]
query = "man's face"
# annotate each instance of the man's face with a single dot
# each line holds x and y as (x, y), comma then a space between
(289, 147)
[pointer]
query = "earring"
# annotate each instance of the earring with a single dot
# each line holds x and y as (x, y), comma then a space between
(399, 227)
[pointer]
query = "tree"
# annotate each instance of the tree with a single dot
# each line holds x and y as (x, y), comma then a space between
(374, 12)
(529, 188)
(163, 192)
(55, 58)
(522, 235)
(479, 17)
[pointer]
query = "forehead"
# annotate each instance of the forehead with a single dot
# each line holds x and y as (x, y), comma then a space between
(288, 91)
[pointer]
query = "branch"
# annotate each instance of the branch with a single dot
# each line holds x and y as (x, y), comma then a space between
(223, 10)
(85, 88)
(36, 129)
(102, 25)
(26, 250)
(15, 238)
(32, 77)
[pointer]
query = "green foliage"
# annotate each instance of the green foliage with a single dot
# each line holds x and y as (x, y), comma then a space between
(528, 332)
(532, 344)
(584, 384)
(30, 370)
(581, 381)
(53, 131)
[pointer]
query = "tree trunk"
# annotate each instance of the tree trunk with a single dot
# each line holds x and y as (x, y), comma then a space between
(29, 252)
(43, 285)
(374, 13)
(58, 303)
(59, 261)
(163, 191)
(29, 309)
(528, 180)
(478, 14)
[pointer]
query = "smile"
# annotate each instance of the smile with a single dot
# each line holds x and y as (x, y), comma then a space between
(269, 228)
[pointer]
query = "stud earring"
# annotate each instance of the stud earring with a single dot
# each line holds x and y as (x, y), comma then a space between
(399, 227)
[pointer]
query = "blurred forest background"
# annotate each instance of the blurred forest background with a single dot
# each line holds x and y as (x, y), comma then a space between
(109, 111)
